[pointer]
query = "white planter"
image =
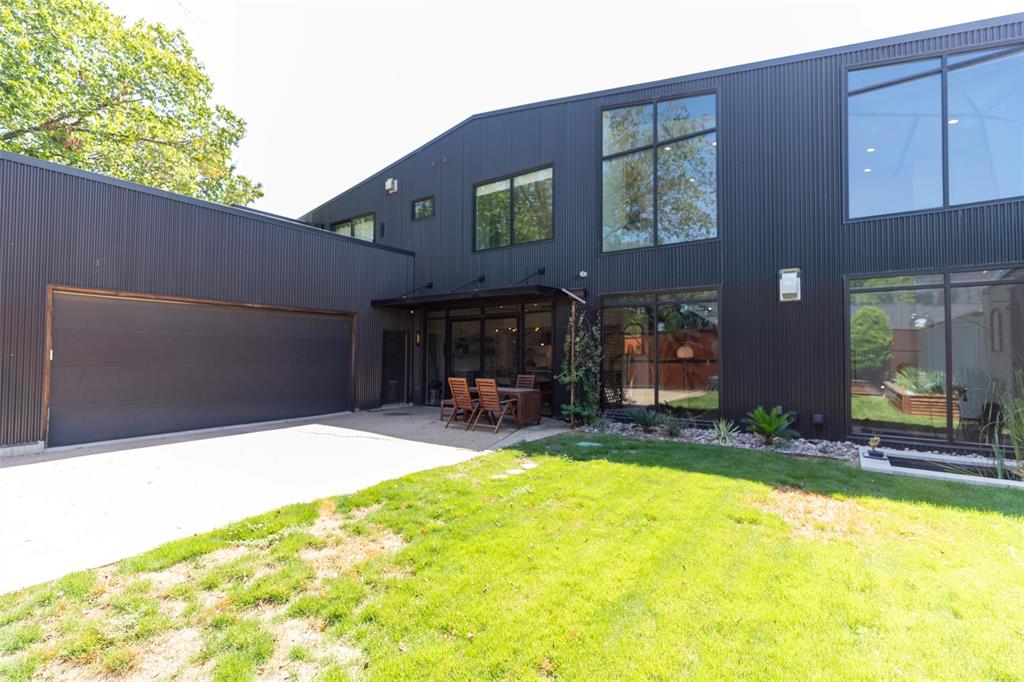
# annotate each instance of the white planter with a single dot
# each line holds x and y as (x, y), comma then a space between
(882, 466)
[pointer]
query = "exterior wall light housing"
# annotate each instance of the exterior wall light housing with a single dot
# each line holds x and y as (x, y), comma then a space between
(789, 285)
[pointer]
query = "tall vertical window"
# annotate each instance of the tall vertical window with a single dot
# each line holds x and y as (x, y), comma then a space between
(986, 144)
(360, 227)
(662, 350)
(904, 333)
(935, 132)
(515, 210)
(659, 173)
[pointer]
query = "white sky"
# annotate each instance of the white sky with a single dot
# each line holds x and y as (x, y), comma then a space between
(334, 91)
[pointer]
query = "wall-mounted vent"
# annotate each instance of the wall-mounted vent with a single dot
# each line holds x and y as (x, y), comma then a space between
(391, 185)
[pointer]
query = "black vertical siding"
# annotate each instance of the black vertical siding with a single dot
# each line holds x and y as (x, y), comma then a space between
(64, 227)
(781, 204)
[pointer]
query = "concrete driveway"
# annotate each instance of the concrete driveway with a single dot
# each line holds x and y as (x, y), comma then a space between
(70, 509)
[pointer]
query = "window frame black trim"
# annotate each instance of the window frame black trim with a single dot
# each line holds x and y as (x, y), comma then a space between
(1002, 49)
(512, 208)
(433, 208)
(946, 286)
(653, 147)
(649, 299)
(372, 214)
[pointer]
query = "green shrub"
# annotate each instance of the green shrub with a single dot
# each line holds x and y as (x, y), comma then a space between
(870, 341)
(769, 425)
(646, 419)
(670, 428)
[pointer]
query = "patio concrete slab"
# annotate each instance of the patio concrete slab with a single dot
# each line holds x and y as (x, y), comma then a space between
(70, 509)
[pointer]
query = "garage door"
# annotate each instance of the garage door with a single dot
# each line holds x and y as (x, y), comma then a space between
(124, 367)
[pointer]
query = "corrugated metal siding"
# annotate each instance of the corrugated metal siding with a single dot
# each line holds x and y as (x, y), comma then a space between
(780, 205)
(58, 227)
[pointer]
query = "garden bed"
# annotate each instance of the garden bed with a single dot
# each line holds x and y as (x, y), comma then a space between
(920, 405)
(805, 447)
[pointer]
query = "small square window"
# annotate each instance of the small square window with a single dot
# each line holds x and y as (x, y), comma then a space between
(423, 208)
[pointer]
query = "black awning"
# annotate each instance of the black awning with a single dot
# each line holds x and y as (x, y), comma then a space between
(478, 297)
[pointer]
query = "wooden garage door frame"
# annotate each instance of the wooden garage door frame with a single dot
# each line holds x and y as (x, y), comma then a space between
(52, 289)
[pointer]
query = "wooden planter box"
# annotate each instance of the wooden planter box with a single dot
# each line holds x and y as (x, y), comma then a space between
(919, 405)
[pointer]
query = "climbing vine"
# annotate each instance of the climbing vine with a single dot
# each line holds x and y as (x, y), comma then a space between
(581, 366)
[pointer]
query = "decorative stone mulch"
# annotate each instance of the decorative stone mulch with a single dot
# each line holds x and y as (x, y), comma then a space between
(804, 447)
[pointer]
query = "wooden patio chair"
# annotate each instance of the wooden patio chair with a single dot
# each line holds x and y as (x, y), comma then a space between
(463, 404)
(446, 403)
(492, 405)
(525, 381)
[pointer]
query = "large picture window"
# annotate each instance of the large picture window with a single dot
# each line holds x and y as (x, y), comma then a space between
(662, 350)
(515, 210)
(904, 333)
(659, 173)
(935, 132)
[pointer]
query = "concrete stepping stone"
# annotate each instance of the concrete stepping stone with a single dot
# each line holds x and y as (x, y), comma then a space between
(529, 465)
(515, 472)
(588, 444)
(498, 476)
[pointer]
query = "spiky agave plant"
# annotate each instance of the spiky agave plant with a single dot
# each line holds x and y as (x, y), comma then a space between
(725, 432)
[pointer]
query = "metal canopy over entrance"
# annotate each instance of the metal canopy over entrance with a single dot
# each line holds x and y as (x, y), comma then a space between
(470, 298)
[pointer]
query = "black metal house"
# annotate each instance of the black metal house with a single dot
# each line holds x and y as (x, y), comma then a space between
(840, 233)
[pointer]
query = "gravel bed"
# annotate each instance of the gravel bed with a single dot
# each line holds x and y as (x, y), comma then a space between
(804, 447)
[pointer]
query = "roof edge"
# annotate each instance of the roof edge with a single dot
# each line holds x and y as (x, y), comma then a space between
(236, 210)
(739, 68)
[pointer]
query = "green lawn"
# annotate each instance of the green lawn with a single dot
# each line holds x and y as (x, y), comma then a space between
(878, 409)
(704, 402)
(634, 560)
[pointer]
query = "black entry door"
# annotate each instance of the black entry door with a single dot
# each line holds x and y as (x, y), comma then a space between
(124, 367)
(393, 372)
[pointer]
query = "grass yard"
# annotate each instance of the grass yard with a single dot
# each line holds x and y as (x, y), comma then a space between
(877, 408)
(634, 560)
(705, 402)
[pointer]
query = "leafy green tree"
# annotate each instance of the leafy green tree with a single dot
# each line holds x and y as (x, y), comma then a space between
(870, 341)
(80, 86)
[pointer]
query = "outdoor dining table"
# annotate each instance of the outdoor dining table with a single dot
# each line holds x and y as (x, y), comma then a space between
(527, 403)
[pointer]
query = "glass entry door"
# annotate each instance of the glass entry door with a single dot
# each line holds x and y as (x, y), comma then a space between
(495, 342)
(501, 350)
(465, 336)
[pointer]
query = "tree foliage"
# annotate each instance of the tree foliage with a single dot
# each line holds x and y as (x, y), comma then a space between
(870, 340)
(81, 86)
(582, 377)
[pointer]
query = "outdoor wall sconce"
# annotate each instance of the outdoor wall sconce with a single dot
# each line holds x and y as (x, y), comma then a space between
(419, 338)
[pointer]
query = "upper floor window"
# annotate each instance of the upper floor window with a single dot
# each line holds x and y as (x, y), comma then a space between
(515, 210)
(360, 227)
(659, 173)
(423, 208)
(909, 149)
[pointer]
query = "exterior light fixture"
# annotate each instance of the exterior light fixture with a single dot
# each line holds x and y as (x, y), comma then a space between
(870, 150)
(867, 170)
(419, 338)
(953, 121)
(583, 273)
(789, 285)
